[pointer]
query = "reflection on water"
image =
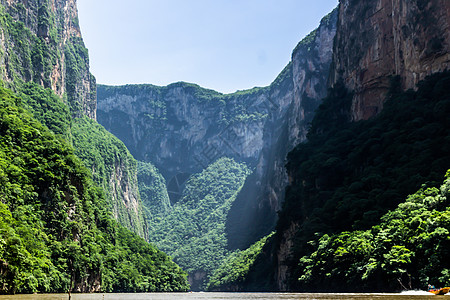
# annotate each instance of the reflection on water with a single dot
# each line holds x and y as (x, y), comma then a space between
(415, 295)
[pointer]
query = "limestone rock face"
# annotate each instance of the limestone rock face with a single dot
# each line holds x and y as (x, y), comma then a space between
(383, 38)
(182, 128)
(297, 92)
(125, 197)
(311, 62)
(374, 41)
(45, 46)
(311, 65)
(40, 41)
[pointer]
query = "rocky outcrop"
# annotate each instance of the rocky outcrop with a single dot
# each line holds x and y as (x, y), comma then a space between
(44, 45)
(283, 255)
(383, 38)
(182, 128)
(310, 66)
(114, 169)
(124, 192)
(311, 62)
(294, 95)
(375, 41)
(41, 42)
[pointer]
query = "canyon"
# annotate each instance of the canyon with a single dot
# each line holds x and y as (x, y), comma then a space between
(301, 156)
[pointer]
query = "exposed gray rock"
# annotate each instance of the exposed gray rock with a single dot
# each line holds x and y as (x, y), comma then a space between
(48, 49)
(182, 128)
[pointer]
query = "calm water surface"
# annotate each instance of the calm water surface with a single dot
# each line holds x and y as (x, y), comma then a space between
(414, 295)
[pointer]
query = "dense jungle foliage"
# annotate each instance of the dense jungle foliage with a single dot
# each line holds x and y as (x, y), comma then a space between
(56, 233)
(346, 200)
(407, 250)
(47, 108)
(153, 191)
(113, 168)
(193, 232)
(103, 153)
(349, 174)
(235, 268)
(32, 57)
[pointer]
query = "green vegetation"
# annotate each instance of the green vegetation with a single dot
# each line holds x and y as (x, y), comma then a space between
(30, 58)
(47, 108)
(193, 232)
(104, 154)
(35, 55)
(56, 228)
(56, 233)
(153, 190)
(235, 268)
(284, 80)
(243, 106)
(307, 44)
(77, 63)
(113, 168)
(408, 249)
(236, 107)
(349, 174)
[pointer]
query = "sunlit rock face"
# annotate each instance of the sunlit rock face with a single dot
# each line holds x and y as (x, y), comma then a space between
(50, 51)
(383, 38)
(182, 128)
(374, 41)
(41, 41)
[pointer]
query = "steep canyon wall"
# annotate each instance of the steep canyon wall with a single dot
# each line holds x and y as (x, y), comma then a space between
(379, 39)
(41, 42)
(182, 128)
(376, 41)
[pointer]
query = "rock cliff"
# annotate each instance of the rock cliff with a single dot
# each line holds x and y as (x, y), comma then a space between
(182, 128)
(296, 93)
(114, 169)
(375, 41)
(379, 39)
(41, 42)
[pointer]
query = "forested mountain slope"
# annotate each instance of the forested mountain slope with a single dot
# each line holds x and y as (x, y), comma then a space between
(334, 232)
(57, 231)
(372, 142)
(42, 43)
(184, 129)
(408, 249)
(193, 231)
(366, 143)
(351, 172)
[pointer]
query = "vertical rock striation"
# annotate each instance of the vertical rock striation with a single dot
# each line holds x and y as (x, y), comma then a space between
(311, 61)
(41, 42)
(383, 38)
(295, 95)
(182, 128)
(375, 41)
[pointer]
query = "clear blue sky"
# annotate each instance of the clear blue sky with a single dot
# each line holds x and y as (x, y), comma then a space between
(225, 45)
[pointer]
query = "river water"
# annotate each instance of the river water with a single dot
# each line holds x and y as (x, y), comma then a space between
(414, 295)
